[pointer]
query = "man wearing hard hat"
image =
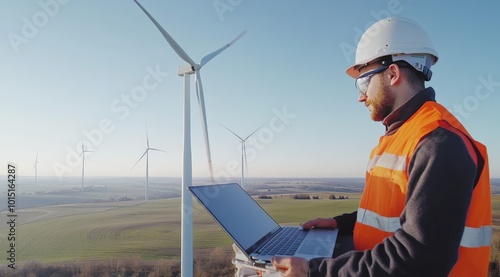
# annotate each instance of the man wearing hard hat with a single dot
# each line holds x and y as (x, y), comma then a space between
(426, 206)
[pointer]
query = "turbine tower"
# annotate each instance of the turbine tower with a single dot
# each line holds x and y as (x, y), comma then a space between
(35, 167)
(83, 162)
(186, 71)
(146, 153)
(244, 163)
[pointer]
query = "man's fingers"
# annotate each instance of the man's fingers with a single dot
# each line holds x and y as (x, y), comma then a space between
(320, 223)
(309, 224)
(281, 262)
(291, 266)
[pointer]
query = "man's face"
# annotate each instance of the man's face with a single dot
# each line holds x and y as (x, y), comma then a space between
(382, 102)
(379, 99)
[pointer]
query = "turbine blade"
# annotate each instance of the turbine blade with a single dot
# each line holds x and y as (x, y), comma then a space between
(201, 102)
(232, 132)
(139, 159)
(177, 48)
(147, 136)
(245, 154)
(254, 131)
(157, 150)
(210, 56)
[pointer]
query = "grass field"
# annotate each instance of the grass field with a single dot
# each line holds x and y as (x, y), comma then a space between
(150, 230)
(103, 231)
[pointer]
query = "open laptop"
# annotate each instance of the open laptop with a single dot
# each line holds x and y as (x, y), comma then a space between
(255, 232)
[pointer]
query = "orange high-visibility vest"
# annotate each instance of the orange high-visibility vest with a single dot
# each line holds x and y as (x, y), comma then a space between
(384, 196)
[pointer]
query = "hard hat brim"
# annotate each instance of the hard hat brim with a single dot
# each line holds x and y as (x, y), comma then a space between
(353, 71)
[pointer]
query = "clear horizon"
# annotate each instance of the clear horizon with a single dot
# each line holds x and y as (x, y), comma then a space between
(95, 73)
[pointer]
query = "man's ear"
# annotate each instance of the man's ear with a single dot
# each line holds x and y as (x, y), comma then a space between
(394, 75)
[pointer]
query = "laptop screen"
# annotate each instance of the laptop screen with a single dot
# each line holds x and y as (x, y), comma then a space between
(236, 211)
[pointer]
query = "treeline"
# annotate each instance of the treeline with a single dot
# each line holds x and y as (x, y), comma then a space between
(216, 262)
(304, 196)
(307, 196)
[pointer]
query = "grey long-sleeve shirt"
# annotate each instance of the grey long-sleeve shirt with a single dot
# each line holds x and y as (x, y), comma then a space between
(441, 179)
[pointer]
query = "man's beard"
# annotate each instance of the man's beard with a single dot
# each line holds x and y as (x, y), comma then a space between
(382, 104)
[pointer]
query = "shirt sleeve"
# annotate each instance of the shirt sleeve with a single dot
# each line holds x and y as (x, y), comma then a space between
(345, 223)
(441, 179)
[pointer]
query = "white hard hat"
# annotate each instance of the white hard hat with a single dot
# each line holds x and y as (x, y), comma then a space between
(400, 38)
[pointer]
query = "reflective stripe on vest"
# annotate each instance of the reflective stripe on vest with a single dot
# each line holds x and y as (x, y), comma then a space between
(472, 237)
(386, 224)
(387, 160)
(476, 237)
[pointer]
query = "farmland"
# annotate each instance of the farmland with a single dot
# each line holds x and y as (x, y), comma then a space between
(104, 228)
(150, 230)
(110, 230)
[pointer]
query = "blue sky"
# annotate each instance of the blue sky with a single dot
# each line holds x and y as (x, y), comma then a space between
(94, 72)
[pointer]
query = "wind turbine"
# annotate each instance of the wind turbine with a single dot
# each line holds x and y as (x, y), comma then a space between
(185, 71)
(83, 162)
(35, 167)
(244, 163)
(146, 153)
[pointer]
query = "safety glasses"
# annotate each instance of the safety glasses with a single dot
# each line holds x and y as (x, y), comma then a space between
(363, 81)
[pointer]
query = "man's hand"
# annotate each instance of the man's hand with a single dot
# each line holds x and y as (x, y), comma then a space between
(299, 267)
(291, 266)
(320, 223)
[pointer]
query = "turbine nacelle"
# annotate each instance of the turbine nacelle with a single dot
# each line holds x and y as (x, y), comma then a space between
(186, 69)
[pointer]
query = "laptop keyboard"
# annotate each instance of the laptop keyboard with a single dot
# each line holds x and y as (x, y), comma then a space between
(285, 242)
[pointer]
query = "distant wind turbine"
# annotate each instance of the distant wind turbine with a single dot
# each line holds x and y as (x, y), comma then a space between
(185, 71)
(146, 153)
(83, 162)
(244, 164)
(35, 167)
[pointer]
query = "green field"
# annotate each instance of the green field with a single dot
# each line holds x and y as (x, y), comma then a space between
(149, 230)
